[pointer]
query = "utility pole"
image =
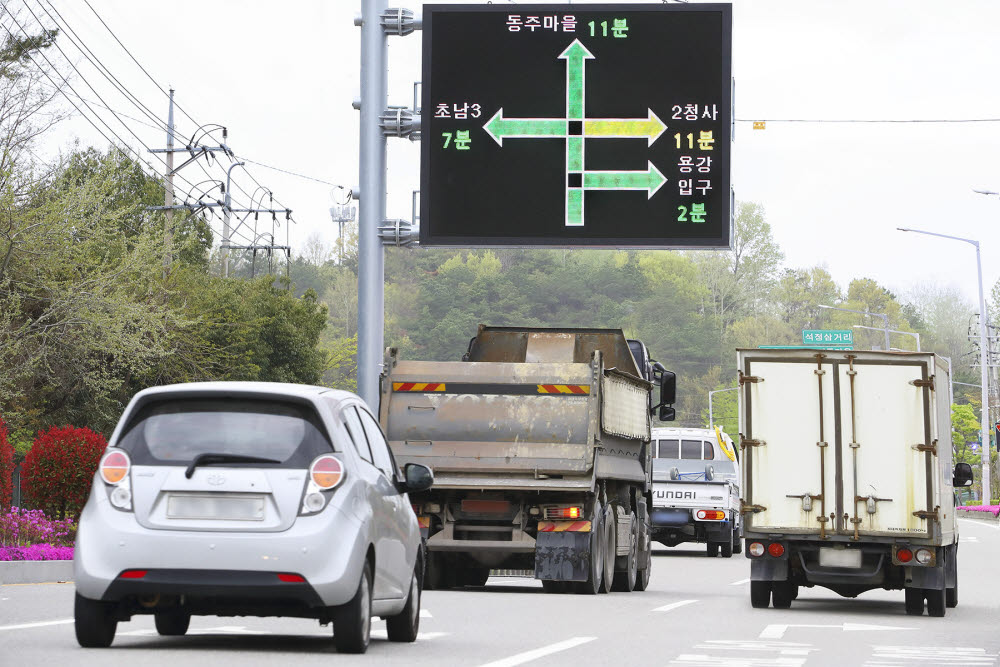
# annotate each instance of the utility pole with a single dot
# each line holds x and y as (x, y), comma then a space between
(168, 195)
(226, 212)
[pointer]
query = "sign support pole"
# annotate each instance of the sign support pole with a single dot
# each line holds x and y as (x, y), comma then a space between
(371, 207)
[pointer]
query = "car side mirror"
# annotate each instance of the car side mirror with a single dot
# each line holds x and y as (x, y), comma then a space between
(962, 475)
(418, 477)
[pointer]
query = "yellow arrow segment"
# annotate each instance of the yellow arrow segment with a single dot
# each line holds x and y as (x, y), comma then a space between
(625, 128)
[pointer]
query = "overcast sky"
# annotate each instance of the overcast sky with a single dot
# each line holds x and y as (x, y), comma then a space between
(281, 77)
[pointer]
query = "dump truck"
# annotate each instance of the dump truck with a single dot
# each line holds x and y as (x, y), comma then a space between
(540, 444)
(848, 481)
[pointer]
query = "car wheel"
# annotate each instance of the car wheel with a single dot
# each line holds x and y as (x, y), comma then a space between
(760, 594)
(712, 549)
(782, 594)
(352, 622)
(914, 601)
(935, 601)
(404, 626)
(95, 626)
(625, 579)
(172, 623)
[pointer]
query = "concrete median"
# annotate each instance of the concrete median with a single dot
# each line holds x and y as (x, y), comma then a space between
(35, 571)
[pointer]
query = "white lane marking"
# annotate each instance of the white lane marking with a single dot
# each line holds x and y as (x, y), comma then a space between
(423, 614)
(937, 655)
(537, 653)
(740, 582)
(692, 660)
(40, 624)
(382, 634)
(994, 526)
(777, 630)
(783, 648)
(219, 630)
(674, 605)
(969, 539)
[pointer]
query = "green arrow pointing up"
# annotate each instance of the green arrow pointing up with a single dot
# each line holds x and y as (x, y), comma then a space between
(499, 127)
(574, 55)
(650, 180)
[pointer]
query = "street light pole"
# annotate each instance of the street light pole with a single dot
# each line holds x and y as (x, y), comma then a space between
(984, 412)
(885, 319)
(895, 331)
(711, 418)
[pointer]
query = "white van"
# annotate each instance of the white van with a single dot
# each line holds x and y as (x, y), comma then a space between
(696, 489)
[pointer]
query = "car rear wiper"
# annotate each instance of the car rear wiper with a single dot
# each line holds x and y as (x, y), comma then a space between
(209, 459)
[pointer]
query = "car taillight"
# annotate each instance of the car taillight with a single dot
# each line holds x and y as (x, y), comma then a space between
(710, 515)
(904, 555)
(326, 472)
(776, 549)
(756, 549)
(114, 466)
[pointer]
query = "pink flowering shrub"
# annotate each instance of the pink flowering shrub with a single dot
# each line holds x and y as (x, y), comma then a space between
(992, 509)
(26, 528)
(36, 552)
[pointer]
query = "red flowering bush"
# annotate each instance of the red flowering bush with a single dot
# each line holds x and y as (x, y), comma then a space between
(6, 467)
(57, 472)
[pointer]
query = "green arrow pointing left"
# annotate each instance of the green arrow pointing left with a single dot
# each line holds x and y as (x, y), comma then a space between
(650, 180)
(499, 127)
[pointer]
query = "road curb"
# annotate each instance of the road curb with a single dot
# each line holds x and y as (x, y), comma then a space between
(35, 571)
(985, 517)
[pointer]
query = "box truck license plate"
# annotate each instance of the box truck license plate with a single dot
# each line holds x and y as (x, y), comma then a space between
(839, 557)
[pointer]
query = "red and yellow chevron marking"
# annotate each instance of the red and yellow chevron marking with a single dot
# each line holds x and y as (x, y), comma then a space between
(564, 389)
(424, 521)
(418, 386)
(563, 526)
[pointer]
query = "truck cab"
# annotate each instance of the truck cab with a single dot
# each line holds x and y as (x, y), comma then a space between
(696, 489)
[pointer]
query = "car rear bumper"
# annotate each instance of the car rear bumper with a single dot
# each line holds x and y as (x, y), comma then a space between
(327, 550)
(215, 585)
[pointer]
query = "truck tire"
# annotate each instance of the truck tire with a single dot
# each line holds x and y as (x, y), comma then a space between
(935, 601)
(625, 578)
(642, 578)
(727, 548)
(712, 549)
(760, 594)
(553, 586)
(595, 575)
(434, 573)
(782, 594)
(951, 596)
(610, 545)
(914, 601)
(474, 576)
(737, 542)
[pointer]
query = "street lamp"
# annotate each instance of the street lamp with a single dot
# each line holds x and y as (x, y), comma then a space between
(895, 331)
(885, 319)
(711, 419)
(983, 361)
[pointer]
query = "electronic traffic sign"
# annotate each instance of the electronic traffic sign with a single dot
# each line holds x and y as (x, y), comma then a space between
(576, 125)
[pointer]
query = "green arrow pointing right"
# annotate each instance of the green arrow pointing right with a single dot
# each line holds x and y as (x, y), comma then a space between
(650, 180)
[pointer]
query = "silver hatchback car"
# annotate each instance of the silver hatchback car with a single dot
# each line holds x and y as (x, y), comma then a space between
(249, 499)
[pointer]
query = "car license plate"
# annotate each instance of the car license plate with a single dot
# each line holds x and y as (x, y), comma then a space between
(839, 557)
(221, 507)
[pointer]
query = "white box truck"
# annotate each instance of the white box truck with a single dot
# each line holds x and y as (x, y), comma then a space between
(847, 475)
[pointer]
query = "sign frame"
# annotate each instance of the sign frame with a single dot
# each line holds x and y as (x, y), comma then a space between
(722, 231)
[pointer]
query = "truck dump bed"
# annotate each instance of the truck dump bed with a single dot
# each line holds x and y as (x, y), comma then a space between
(846, 444)
(525, 410)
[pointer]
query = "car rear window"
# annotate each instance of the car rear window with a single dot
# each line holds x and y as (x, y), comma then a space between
(668, 449)
(691, 449)
(173, 432)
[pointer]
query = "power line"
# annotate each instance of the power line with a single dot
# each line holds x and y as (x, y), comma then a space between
(290, 173)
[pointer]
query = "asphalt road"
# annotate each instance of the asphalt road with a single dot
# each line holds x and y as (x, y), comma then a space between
(696, 613)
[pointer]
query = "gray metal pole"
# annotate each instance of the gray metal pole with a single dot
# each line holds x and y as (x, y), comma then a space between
(711, 420)
(372, 165)
(984, 444)
(168, 195)
(885, 320)
(226, 210)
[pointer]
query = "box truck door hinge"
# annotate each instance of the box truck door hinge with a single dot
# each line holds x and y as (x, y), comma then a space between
(932, 448)
(752, 379)
(750, 442)
(928, 514)
(924, 383)
(751, 509)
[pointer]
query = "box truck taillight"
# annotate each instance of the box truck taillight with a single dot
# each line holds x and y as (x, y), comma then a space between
(776, 549)
(756, 549)
(904, 555)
